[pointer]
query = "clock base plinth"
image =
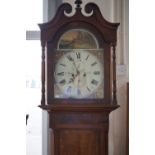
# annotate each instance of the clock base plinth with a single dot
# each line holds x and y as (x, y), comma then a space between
(80, 132)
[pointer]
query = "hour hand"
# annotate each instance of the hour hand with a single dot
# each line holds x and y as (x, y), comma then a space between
(76, 67)
(72, 74)
(84, 75)
(72, 78)
(70, 81)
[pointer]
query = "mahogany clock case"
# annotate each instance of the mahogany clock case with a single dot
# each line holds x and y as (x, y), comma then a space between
(79, 126)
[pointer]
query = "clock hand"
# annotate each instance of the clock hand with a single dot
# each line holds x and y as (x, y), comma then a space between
(71, 74)
(84, 75)
(72, 77)
(70, 81)
(76, 76)
(77, 71)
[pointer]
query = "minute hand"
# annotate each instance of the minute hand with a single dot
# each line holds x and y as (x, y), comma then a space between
(75, 66)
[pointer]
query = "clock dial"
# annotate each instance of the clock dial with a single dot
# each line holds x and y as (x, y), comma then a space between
(78, 74)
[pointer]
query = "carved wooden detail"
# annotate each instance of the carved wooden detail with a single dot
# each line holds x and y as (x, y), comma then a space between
(43, 74)
(114, 75)
(127, 120)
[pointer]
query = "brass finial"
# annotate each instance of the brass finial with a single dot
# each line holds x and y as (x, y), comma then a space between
(78, 3)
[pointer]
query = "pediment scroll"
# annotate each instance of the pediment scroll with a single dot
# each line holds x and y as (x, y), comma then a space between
(68, 10)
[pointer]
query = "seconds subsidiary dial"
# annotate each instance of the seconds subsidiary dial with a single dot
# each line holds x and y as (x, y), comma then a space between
(78, 74)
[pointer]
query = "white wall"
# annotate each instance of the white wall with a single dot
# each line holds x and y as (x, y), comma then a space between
(34, 123)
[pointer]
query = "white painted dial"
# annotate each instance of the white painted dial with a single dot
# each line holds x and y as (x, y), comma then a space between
(78, 74)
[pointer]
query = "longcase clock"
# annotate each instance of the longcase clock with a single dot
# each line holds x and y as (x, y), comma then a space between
(79, 78)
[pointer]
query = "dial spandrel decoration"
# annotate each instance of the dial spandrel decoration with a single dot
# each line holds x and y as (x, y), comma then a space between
(79, 71)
